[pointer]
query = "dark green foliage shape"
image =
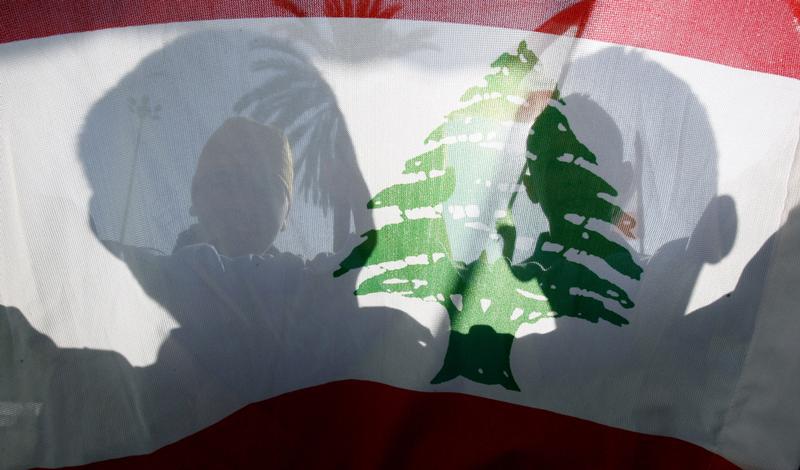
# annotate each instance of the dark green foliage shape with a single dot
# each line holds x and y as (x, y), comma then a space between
(487, 300)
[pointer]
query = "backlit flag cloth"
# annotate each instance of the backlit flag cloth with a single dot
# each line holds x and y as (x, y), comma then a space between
(364, 234)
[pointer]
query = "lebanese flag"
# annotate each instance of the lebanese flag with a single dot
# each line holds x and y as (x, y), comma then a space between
(365, 233)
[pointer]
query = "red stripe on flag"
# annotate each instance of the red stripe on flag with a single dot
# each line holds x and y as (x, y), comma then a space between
(356, 424)
(757, 35)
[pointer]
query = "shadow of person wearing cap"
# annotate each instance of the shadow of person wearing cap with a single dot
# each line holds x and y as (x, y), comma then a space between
(253, 321)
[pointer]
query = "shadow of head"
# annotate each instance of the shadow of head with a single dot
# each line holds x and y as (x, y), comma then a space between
(667, 143)
(242, 188)
(584, 133)
(715, 232)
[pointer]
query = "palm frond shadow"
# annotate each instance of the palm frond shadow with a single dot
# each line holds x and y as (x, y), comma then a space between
(294, 96)
(332, 39)
(329, 35)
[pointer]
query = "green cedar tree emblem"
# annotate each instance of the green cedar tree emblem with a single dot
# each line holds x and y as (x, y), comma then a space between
(488, 299)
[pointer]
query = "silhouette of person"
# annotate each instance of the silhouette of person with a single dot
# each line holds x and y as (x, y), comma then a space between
(226, 287)
(224, 283)
(253, 321)
(238, 301)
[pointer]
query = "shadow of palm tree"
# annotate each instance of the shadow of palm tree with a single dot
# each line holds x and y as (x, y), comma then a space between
(333, 39)
(294, 97)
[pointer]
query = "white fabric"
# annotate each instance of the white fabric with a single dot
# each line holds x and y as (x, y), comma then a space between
(706, 138)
